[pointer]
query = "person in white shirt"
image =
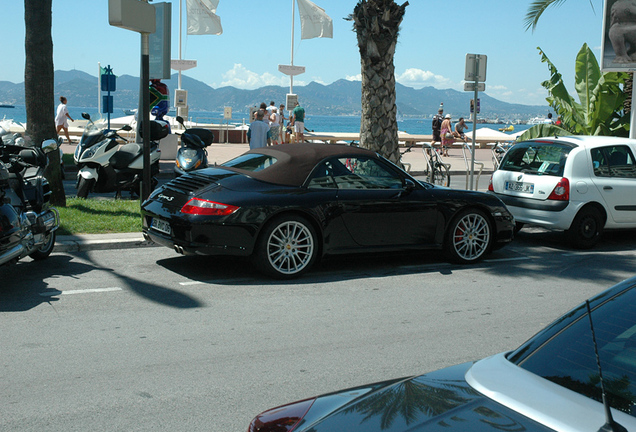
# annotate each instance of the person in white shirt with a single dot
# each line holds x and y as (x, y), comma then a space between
(61, 118)
(274, 126)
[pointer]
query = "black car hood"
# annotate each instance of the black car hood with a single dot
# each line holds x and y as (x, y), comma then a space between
(441, 400)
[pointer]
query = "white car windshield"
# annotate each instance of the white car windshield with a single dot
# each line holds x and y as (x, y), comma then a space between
(542, 158)
(567, 355)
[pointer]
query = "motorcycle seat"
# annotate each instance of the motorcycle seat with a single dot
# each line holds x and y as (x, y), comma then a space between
(127, 153)
(123, 157)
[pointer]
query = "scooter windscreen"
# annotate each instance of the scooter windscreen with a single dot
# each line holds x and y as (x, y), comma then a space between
(93, 133)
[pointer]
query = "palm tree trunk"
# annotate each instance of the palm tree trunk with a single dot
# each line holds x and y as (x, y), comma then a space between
(39, 87)
(377, 24)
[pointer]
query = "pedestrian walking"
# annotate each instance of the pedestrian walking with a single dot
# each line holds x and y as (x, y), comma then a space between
(62, 117)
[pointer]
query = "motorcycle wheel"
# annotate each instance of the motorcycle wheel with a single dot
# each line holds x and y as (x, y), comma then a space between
(45, 250)
(84, 187)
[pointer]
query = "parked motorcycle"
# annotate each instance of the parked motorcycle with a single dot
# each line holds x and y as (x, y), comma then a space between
(27, 222)
(16, 138)
(108, 163)
(192, 154)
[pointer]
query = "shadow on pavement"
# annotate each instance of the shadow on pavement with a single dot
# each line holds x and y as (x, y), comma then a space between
(23, 286)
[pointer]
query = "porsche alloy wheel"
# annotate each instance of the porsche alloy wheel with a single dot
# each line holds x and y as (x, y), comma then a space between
(287, 247)
(469, 236)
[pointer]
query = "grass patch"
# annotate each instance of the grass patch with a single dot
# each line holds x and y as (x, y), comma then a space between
(68, 159)
(99, 216)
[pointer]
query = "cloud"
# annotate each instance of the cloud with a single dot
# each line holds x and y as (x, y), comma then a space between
(354, 77)
(418, 78)
(243, 78)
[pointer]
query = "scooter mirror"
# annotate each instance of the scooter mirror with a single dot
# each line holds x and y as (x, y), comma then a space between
(180, 120)
(86, 116)
(49, 145)
(126, 128)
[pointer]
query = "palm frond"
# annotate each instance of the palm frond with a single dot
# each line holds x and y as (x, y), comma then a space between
(536, 9)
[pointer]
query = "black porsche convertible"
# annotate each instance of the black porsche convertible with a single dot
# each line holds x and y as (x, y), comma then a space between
(288, 205)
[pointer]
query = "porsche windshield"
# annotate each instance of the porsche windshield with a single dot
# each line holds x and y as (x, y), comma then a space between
(251, 162)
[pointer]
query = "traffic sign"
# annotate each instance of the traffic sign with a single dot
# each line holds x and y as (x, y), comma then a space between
(470, 86)
(475, 67)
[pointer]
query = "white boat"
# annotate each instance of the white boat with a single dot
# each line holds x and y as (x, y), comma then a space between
(539, 120)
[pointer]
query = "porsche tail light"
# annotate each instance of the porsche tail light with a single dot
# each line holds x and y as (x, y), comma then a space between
(561, 191)
(281, 419)
(198, 206)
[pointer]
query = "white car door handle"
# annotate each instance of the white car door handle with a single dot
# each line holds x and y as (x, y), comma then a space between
(607, 188)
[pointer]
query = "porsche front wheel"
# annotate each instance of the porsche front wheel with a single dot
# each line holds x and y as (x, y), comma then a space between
(287, 247)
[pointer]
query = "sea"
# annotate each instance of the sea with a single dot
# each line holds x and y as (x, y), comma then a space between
(316, 123)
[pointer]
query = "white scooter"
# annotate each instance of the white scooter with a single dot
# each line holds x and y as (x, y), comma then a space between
(108, 163)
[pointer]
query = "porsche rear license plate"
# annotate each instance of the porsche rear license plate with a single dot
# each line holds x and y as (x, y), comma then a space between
(161, 226)
(520, 187)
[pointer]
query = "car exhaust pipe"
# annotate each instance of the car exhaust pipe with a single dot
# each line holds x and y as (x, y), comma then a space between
(11, 254)
(179, 249)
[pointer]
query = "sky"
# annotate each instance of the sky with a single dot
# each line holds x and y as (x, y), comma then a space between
(432, 46)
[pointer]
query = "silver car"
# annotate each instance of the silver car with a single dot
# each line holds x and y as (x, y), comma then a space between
(579, 184)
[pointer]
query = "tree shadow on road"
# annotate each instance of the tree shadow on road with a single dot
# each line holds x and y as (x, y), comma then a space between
(23, 284)
(28, 284)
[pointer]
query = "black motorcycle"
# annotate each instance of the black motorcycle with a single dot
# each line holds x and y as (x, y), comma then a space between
(28, 223)
(192, 154)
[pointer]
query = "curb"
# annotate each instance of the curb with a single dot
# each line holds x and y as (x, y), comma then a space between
(92, 242)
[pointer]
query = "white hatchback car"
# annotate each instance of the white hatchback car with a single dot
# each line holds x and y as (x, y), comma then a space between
(580, 184)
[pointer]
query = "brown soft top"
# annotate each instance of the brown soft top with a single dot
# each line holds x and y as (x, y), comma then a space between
(294, 162)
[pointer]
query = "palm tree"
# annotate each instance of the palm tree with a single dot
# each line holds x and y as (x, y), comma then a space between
(377, 24)
(38, 86)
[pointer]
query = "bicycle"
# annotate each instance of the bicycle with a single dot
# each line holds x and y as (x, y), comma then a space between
(437, 171)
(406, 166)
(498, 152)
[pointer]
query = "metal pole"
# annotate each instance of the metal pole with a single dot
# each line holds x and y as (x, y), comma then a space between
(99, 87)
(180, 31)
(291, 77)
(474, 143)
(145, 71)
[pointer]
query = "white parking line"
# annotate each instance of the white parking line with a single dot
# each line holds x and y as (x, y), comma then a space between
(82, 291)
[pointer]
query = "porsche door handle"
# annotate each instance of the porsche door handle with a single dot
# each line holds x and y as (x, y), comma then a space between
(608, 188)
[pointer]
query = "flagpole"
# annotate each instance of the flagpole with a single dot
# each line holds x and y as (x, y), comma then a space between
(180, 31)
(291, 77)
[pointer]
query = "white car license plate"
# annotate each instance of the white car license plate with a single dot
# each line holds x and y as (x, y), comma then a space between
(520, 187)
(161, 226)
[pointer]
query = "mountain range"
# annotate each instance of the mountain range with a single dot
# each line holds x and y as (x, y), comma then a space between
(339, 98)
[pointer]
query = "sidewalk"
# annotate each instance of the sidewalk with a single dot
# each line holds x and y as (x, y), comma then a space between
(219, 153)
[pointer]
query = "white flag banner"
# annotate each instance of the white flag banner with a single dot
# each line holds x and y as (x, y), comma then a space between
(314, 22)
(202, 18)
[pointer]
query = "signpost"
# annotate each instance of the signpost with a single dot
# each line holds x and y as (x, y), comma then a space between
(108, 84)
(139, 16)
(475, 77)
